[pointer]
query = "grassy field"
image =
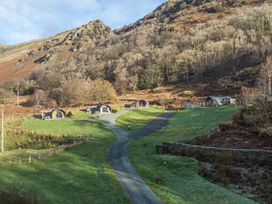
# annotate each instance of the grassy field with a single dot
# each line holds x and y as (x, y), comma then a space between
(61, 127)
(181, 183)
(82, 175)
(71, 127)
(138, 118)
(77, 114)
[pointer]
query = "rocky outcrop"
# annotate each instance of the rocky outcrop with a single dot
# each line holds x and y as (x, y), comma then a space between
(76, 40)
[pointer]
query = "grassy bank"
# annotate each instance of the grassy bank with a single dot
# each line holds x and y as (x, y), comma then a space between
(82, 175)
(181, 183)
(138, 118)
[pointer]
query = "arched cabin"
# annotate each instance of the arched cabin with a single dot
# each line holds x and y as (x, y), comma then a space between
(143, 103)
(99, 109)
(55, 114)
(219, 101)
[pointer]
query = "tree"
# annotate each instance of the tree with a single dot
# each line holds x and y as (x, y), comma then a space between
(102, 91)
(6, 96)
(185, 62)
(265, 79)
(249, 96)
(76, 92)
(55, 94)
(47, 80)
(39, 97)
(166, 60)
(21, 85)
(151, 78)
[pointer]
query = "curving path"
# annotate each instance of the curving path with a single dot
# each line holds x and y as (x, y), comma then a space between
(135, 187)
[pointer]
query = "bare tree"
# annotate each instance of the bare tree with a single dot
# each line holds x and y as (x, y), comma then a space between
(39, 97)
(76, 92)
(250, 96)
(265, 79)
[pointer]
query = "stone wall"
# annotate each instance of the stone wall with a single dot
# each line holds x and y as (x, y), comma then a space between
(210, 153)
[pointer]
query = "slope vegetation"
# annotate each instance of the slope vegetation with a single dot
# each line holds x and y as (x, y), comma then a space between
(181, 41)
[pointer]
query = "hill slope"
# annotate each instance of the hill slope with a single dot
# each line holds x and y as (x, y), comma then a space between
(181, 41)
(22, 59)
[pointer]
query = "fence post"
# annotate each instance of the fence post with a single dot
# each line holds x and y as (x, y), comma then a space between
(29, 159)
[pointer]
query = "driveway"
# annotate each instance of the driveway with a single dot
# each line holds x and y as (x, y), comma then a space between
(135, 187)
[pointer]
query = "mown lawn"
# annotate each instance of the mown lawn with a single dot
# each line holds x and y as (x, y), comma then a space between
(82, 175)
(78, 114)
(62, 127)
(181, 182)
(138, 118)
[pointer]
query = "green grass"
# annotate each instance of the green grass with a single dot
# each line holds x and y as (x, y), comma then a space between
(61, 127)
(182, 184)
(82, 175)
(117, 108)
(58, 128)
(78, 114)
(138, 118)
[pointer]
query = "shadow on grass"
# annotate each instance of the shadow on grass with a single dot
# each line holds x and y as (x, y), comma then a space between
(82, 175)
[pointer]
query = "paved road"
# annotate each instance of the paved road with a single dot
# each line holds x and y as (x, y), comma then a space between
(109, 120)
(136, 189)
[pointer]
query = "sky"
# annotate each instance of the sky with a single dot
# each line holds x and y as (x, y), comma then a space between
(25, 20)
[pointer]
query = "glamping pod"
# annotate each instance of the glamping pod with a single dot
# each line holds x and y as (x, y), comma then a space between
(54, 114)
(99, 109)
(219, 101)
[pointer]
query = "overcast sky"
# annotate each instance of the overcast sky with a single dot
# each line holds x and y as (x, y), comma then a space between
(24, 20)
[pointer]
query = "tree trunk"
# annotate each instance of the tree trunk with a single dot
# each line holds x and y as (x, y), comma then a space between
(269, 86)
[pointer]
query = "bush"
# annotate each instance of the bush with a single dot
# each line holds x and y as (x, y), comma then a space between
(214, 9)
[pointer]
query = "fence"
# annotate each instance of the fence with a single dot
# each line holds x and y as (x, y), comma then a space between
(245, 155)
(27, 157)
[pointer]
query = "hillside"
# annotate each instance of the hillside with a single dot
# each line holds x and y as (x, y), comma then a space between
(218, 43)
(22, 59)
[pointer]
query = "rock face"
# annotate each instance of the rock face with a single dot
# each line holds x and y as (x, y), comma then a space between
(76, 40)
(90, 34)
